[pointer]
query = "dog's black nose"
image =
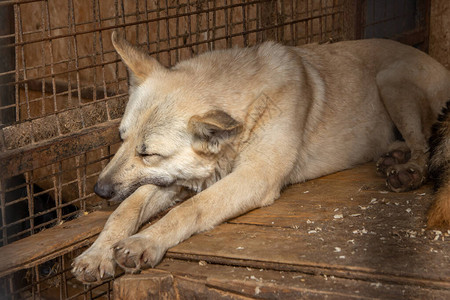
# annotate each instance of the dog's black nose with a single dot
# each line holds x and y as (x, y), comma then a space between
(104, 190)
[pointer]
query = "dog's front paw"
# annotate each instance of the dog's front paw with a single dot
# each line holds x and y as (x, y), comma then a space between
(137, 252)
(402, 178)
(94, 265)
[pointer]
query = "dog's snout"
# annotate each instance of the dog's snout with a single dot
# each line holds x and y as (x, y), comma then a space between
(104, 190)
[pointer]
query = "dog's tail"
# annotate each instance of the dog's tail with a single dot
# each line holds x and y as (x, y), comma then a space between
(439, 214)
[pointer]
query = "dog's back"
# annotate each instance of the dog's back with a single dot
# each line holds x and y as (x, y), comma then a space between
(368, 88)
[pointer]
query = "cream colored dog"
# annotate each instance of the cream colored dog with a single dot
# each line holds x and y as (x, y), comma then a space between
(235, 126)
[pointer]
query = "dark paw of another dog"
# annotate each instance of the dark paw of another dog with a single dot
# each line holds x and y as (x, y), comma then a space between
(402, 178)
(392, 158)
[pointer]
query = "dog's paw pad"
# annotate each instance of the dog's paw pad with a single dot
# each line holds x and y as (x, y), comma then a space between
(402, 178)
(392, 158)
(93, 266)
(136, 253)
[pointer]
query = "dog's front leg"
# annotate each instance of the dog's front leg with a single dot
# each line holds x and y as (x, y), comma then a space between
(97, 263)
(239, 192)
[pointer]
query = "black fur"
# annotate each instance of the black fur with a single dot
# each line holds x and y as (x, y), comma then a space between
(438, 172)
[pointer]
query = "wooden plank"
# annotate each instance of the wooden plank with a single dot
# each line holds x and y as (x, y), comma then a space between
(352, 23)
(439, 29)
(266, 283)
(17, 161)
(148, 286)
(157, 284)
(324, 198)
(360, 256)
(51, 242)
(346, 224)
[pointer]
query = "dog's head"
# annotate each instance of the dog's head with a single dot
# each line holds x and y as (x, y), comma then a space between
(170, 132)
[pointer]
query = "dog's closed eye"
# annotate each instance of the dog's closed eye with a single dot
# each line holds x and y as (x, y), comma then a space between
(144, 152)
(148, 154)
(150, 158)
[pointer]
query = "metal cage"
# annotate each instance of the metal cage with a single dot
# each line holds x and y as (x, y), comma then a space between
(63, 90)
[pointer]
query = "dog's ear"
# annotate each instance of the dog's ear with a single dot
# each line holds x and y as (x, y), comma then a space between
(212, 131)
(139, 63)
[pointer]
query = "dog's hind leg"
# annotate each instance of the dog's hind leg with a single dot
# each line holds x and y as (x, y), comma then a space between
(97, 263)
(405, 165)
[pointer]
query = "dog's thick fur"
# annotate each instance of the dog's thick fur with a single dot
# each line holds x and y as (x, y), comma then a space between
(235, 126)
(439, 214)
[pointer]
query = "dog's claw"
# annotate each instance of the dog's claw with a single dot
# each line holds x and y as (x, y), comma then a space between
(94, 265)
(137, 253)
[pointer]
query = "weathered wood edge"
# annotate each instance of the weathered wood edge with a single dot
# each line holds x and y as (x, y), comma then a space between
(13, 260)
(17, 161)
(314, 269)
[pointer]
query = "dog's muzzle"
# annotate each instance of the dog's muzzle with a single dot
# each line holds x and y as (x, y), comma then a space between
(104, 190)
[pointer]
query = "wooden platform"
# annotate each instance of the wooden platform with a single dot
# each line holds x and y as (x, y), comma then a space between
(341, 236)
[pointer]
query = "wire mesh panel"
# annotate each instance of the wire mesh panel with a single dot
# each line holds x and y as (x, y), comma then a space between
(63, 90)
(65, 72)
(52, 194)
(52, 280)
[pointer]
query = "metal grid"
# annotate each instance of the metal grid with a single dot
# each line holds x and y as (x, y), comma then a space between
(64, 63)
(52, 280)
(49, 195)
(63, 90)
